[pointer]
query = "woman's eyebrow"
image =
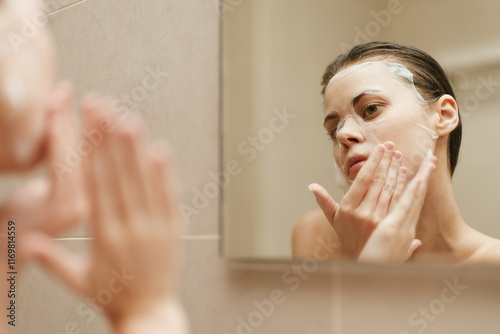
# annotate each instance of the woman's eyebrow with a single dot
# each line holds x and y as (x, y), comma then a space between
(358, 97)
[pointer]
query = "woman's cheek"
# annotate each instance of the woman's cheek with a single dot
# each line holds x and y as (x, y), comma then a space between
(336, 156)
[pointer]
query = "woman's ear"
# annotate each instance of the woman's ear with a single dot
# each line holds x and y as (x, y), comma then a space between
(446, 115)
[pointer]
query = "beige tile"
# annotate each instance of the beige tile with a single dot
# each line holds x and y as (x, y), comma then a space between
(46, 306)
(215, 294)
(221, 296)
(103, 47)
(413, 300)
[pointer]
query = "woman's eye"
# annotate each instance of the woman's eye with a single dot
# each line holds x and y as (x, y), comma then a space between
(370, 110)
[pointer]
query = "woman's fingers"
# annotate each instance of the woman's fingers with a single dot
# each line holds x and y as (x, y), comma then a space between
(370, 200)
(101, 175)
(120, 172)
(66, 182)
(399, 188)
(325, 201)
(162, 180)
(413, 247)
(407, 211)
(389, 189)
(60, 132)
(377, 200)
(89, 112)
(133, 168)
(364, 178)
(393, 239)
(69, 268)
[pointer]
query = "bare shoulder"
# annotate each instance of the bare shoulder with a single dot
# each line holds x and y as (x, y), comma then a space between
(487, 253)
(313, 236)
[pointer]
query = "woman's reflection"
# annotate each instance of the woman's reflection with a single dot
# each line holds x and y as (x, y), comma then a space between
(394, 122)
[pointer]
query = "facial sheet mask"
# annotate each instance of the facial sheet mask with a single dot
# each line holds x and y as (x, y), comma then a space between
(394, 81)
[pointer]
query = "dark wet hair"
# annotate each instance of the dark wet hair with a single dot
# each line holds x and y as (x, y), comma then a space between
(429, 78)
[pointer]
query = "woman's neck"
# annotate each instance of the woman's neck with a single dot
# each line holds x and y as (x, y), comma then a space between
(441, 228)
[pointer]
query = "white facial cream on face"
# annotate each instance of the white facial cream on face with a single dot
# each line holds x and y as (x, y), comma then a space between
(367, 127)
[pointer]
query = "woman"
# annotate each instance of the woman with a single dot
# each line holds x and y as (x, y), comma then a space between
(123, 186)
(389, 108)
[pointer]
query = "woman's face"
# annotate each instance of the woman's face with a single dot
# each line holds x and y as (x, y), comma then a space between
(367, 104)
(27, 70)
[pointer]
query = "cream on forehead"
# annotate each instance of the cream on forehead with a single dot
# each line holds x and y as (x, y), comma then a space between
(400, 70)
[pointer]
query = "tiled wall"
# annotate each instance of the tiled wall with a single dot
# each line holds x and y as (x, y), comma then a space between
(108, 45)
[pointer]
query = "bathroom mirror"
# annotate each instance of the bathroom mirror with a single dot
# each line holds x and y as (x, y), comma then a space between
(274, 55)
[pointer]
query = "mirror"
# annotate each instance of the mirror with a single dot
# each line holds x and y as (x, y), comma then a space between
(274, 55)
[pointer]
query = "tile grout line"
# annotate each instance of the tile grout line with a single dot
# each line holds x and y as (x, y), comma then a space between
(183, 237)
(337, 301)
(72, 238)
(66, 7)
(201, 237)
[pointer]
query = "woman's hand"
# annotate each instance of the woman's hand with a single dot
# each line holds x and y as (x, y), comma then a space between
(393, 240)
(55, 202)
(373, 194)
(135, 254)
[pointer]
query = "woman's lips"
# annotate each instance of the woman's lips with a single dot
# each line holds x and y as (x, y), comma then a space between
(353, 171)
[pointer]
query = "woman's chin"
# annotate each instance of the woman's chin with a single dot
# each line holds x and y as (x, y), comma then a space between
(22, 155)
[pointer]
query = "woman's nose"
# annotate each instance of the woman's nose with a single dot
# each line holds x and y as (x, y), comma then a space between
(350, 132)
